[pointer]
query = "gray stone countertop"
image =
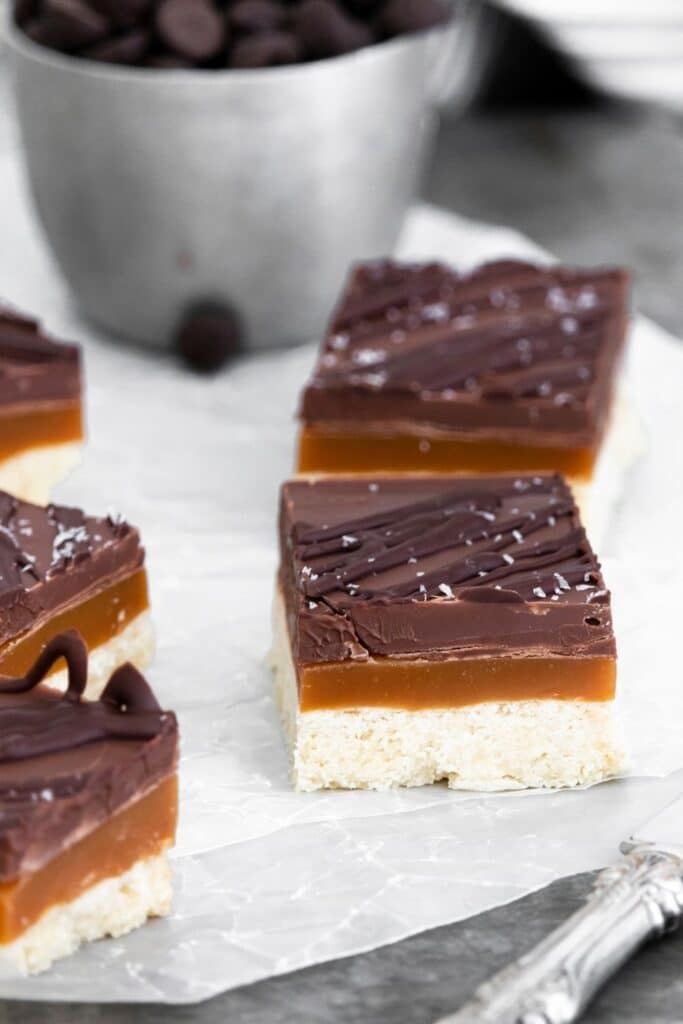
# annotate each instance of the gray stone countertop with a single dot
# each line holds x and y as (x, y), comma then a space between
(597, 185)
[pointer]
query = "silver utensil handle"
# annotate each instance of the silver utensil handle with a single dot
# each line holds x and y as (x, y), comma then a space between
(638, 899)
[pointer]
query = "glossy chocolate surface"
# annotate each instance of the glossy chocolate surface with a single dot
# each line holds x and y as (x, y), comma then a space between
(512, 350)
(66, 765)
(434, 567)
(52, 556)
(35, 368)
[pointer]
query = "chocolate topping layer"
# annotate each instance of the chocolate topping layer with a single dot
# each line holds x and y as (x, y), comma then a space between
(67, 765)
(511, 350)
(52, 557)
(440, 567)
(33, 367)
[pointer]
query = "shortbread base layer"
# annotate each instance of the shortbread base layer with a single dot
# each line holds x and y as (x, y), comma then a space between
(33, 474)
(110, 908)
(135, 644)
(487, 747)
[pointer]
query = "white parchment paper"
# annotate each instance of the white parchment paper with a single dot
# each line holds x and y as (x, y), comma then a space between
(268, 880)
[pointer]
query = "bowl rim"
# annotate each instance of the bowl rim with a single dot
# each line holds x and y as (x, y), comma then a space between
(18, 42)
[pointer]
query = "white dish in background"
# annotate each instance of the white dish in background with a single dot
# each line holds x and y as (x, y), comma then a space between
(629, 49)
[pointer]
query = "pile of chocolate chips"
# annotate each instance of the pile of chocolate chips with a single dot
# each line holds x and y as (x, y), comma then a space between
(220, 33)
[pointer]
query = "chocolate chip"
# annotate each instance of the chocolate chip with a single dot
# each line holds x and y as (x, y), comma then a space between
(125, 49)
(208, 337)
(266, 49)
(24, 10)
(167, 62)
(67, 25)
(399, 16)
(123, 13)
(191, 28)
(363, 8)
(256, 16)
(325, 30)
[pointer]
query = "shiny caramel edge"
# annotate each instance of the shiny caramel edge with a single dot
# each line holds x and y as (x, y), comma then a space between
(143, 828)
(326, 450)
(419, 684)
(50, 423)
(99, 617)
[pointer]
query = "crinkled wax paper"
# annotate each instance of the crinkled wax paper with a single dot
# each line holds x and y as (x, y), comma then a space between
(268, 880)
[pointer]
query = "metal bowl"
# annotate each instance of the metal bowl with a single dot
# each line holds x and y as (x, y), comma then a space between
(633, 50)
(161, 189)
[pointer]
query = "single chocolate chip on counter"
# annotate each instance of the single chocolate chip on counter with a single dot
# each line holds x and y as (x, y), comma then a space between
(191, 28)
(256, 16)
(399, 16)
(265, 49)
(208, 337)
(325, 30)
(67, 25)
(125, 49)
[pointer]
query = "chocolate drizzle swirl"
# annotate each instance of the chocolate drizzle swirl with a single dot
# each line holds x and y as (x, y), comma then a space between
(510, 345)
(67, 764)
(34, 367)
(502, 562)
(127, 709)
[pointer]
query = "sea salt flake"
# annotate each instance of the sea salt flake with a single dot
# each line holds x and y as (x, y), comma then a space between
(445, 589)
(368, 356)
(436, 311)
(539, 592)
(374, 380)
(587, 298)
(518, 536)
(507, 558)
(347, 540)
(557, 299)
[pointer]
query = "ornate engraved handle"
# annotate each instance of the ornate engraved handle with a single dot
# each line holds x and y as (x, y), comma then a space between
(638, 899)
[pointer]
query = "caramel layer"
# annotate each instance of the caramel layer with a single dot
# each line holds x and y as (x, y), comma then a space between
(328, 451)
(58, 423)
(141, 830)
(414, 685)
(98, 619)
